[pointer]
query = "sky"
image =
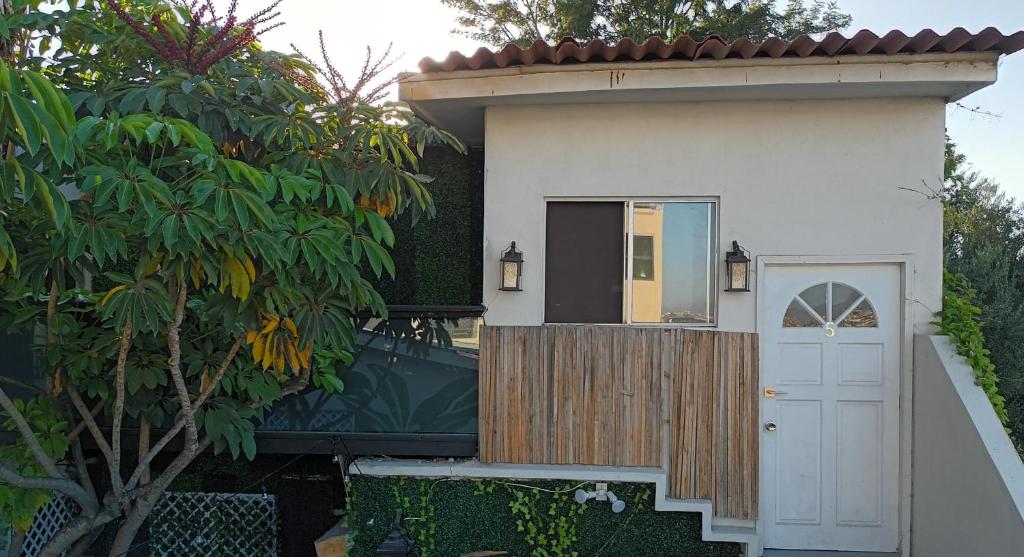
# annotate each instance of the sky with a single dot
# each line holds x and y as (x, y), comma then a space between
(993, 144)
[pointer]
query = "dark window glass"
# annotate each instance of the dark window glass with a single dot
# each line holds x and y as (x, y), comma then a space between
(583, 269)
(410, 375)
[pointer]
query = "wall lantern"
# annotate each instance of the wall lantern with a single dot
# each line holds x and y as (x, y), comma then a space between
(737, 266)
(396, 544)
(511, 270)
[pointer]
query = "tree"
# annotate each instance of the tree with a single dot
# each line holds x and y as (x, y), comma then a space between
(985, 243)
(232, 210)
(500, 22)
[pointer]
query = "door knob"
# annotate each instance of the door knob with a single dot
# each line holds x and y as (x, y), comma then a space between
(770, 426)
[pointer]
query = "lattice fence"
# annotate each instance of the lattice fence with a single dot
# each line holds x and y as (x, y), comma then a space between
(214, 525)
(194, 524)
(49, 519)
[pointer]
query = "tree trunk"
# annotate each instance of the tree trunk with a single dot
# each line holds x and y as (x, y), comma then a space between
(129, 529)
(73, 531)
(144, 504)
(83, 544)
(144, 449)
(17, 543)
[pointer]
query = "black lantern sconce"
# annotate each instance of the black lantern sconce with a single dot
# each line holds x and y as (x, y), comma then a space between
(737, 268)
(511, 270)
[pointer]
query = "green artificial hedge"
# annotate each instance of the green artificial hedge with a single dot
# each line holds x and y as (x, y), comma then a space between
(438, 261)
(449, 518)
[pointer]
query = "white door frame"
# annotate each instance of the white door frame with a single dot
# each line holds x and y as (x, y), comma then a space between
(906, 387)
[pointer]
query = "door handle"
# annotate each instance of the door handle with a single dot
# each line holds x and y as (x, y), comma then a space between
(770, 426)
(770, 392)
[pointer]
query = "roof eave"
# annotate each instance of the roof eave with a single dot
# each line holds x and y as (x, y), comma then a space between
(456, 100)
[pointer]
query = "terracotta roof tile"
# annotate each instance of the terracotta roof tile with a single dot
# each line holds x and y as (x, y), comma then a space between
(570, 51)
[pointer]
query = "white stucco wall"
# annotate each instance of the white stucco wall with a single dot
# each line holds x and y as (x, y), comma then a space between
(810, 177)
(969, 481)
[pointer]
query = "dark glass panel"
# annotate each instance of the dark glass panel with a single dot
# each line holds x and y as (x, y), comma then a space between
(410, 375)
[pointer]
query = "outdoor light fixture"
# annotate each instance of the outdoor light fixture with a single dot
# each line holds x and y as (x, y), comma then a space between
(396, 544)
(511, 270)
(737, 267)
(618, 505)
(582, 495)
(602, 494)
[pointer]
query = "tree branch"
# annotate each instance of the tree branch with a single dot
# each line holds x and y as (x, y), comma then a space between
(77, 455)
(74, 530)
(122, 359)
(144, 430)
(90, 423)
(296, 385)
(76, 492)
(21, 385)
(203, 397)
(78, 429)
(29, 437)
(174, 368)
(147, 497)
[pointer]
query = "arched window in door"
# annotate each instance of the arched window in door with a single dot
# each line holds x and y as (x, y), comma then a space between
(830, 302)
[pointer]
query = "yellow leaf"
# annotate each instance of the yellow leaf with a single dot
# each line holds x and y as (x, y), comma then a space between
(58, 383)
(306, 354)
(111, 293)
(290, 325)
(238, 277)
(205, 382)
(152, 265)
(271, 325)
(250, 336)
(250, 268)
(194, 272)
(268, 353)
(279, 358)
(293, 358)
(259, 345)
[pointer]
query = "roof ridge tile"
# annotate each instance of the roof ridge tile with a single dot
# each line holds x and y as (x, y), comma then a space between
(569, 50)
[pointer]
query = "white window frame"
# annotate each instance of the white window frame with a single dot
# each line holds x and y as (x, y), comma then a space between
(629, 204)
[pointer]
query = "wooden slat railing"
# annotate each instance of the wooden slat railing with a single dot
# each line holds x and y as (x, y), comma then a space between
(618, 396)
(714, 421)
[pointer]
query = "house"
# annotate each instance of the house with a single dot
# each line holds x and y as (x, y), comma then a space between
(797, 401)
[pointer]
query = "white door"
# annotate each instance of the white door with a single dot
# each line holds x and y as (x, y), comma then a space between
(830, 435)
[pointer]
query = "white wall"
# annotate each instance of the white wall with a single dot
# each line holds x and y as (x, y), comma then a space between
(811, 177)
(968, 478)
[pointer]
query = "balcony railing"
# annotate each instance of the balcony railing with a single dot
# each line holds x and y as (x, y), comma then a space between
(414, 373)
(623, 396)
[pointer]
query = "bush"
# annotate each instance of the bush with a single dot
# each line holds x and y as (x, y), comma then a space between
(959, 321)
(440, 260)
(452, 517)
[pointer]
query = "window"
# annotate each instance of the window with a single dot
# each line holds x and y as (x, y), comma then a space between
(643, 257)
(631, 261)
(830, 302)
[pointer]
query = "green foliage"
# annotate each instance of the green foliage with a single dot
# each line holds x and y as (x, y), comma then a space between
(456, 517)
(36, 126)
(228, 202)
(984, 242)
(247, 187)
(549, 531)
(18, 506)
(959, 321)
(439, 261)
(499, 22)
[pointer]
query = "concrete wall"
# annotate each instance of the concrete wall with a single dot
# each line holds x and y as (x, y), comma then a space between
(811, 177)
(968, 478)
